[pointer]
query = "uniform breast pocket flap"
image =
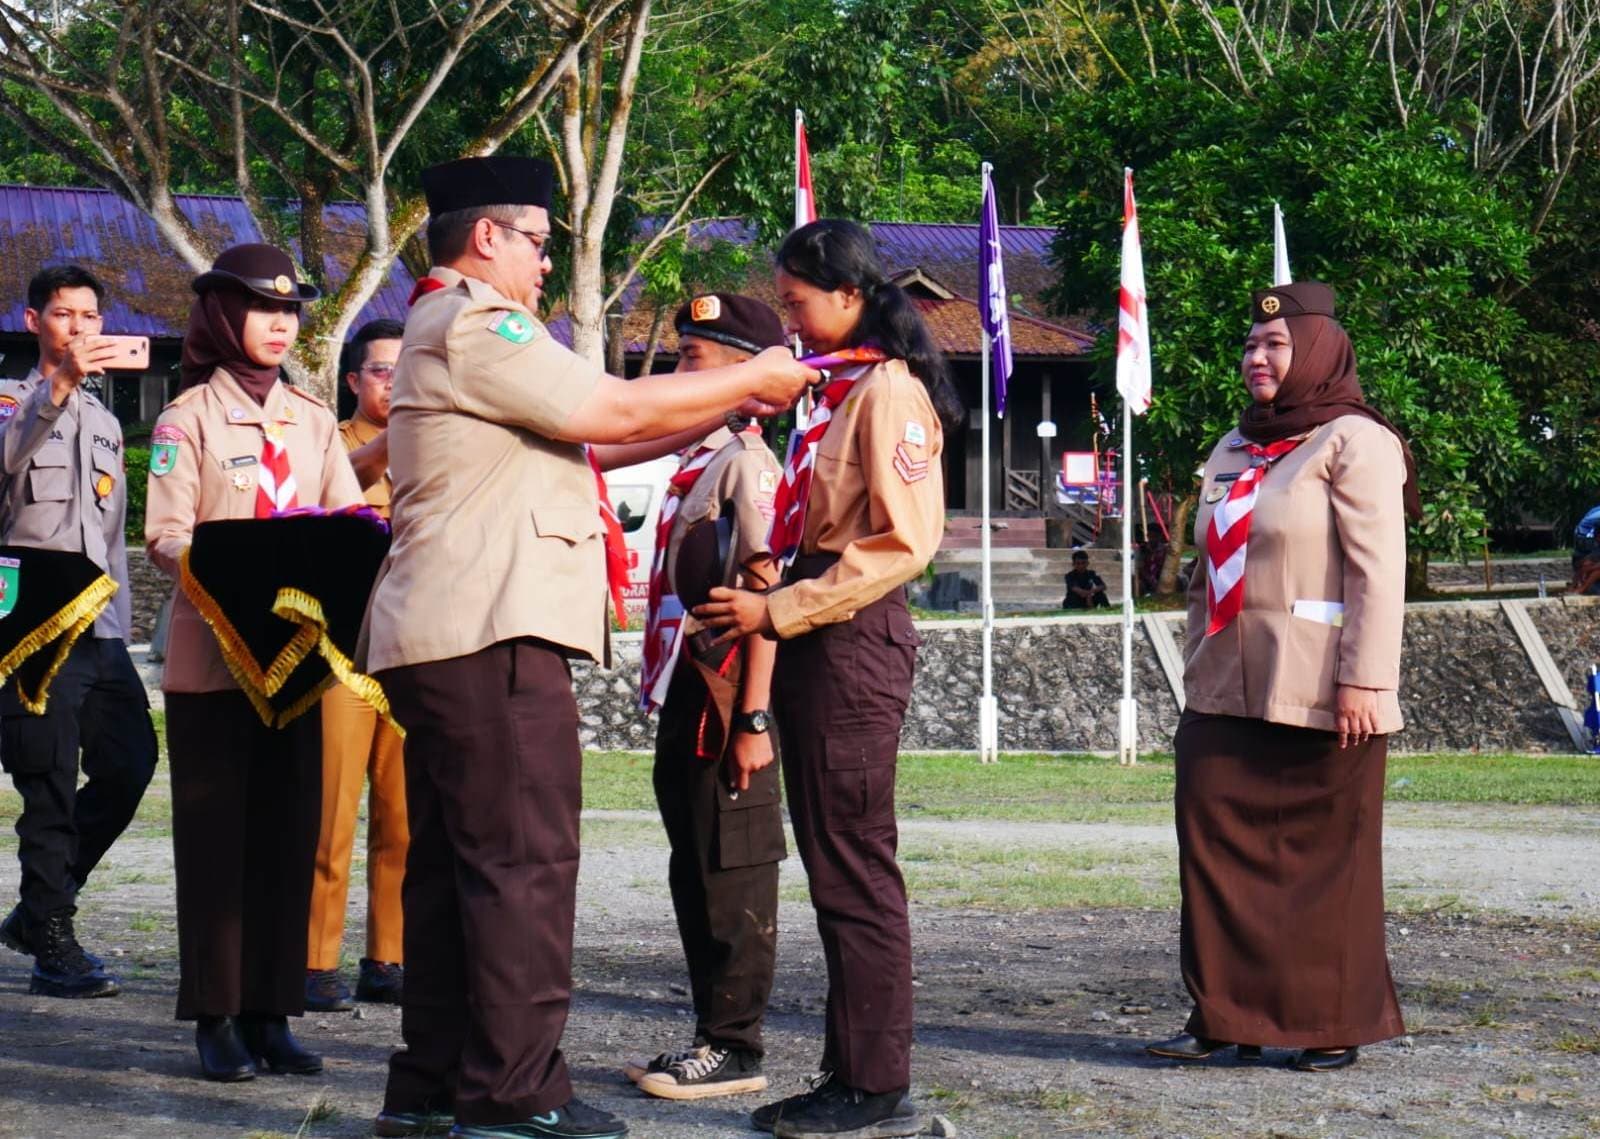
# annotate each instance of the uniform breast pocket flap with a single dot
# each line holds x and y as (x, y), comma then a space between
(50, 478)
(902, 630)
(571, 524)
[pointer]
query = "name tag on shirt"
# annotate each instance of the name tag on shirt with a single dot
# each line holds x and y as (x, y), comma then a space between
(240, 461)
(1322, 612)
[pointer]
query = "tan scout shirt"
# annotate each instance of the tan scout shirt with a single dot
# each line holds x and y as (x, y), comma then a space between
(877, 500)
(218, 432)
(496, 524)
(63, 485)
(1328, 527)
(743, 472)
(355, 433)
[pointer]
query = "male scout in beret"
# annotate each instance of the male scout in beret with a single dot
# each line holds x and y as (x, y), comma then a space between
(493, 584)
(715, 781)
(63, 487)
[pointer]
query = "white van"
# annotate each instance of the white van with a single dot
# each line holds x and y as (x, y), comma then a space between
(636, 495)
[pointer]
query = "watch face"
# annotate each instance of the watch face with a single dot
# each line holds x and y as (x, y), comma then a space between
(758, 721)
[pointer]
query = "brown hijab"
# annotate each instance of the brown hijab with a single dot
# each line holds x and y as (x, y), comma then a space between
(1321, 383)
(216, 340)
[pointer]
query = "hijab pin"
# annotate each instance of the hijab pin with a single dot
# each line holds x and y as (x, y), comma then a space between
(236, 414)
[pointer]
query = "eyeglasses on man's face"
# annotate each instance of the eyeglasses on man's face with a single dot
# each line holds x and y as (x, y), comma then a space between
(383, 373)
(537, 239)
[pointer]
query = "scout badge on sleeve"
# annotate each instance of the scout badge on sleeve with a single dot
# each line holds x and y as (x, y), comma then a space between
(164, 442)
(285, 597)
(48, 598)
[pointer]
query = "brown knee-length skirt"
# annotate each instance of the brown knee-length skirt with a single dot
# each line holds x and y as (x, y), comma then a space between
(1280, 837)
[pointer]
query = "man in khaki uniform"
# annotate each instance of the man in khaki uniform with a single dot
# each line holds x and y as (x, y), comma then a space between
(495, 579)
(717, 791)
(63, 487)
(358, 745)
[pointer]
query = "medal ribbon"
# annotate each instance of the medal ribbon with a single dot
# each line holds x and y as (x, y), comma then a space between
(1228, 534)
(616, 545)
(275, 489)
(663, 616)
(794, 491)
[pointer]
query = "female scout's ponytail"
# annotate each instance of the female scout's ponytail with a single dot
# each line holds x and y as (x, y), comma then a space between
(831, 253)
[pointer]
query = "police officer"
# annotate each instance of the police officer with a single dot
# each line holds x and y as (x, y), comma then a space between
(493, 582)
(717, 790)
(63, 487)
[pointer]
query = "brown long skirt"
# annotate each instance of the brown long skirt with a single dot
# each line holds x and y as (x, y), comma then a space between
(1280, 858)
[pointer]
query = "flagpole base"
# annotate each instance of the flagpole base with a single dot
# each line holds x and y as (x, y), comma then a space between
(1128, 732)
(988, 729)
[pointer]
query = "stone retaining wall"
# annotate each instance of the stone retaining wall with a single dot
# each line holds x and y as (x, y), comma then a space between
(1466, 683)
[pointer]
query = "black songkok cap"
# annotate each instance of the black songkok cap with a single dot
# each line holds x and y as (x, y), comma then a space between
(728, 318)
(1303, 298)
(497, 180)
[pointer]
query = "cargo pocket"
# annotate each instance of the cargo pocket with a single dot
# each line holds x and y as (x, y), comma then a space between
(858, 784)
(750, 822)
(50, 478)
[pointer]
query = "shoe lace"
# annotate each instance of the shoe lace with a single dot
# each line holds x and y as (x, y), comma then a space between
(665, 1061)
(698, 1064)
(61, 950)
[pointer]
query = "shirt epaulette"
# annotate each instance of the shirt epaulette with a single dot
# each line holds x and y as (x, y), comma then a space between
(305, 395)
(184, 396)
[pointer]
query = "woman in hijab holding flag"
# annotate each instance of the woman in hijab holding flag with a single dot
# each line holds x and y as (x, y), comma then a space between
(246, 798)
(859, 512)
(1292, 667)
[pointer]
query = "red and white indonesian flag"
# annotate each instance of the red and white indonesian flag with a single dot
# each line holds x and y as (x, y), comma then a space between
(1133, 324)
(805, 202)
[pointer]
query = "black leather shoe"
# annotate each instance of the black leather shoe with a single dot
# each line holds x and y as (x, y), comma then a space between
(1186, 1047)
(61, 968)
(380, 982)
(326, 992)
(274, 1047)
(1323, 1059)
(223, 1057)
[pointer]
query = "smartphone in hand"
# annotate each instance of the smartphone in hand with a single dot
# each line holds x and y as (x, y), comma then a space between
(131, 353)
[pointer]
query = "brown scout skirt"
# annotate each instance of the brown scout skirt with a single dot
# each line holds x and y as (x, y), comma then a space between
(1280, 859)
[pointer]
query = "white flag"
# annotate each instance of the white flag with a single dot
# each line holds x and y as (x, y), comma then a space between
(1280, 250)
(1133, 324)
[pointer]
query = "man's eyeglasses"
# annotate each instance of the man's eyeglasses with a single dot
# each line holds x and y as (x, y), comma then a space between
(379, 372)
(538, 239)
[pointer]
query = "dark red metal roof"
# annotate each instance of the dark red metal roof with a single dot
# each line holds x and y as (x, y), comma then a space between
(148, 284)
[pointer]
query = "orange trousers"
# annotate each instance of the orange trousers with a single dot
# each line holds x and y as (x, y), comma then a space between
(358, 746)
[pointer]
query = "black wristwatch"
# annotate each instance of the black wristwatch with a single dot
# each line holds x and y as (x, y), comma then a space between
(756, 723)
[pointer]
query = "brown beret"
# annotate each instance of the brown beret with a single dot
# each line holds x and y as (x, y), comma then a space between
(728, 318)
(1303, 298)
(263, 270)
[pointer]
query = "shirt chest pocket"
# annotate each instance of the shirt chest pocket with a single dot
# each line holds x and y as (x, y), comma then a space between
(50, 476)
(571, 524)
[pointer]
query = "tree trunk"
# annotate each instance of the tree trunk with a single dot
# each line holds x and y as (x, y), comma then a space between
(584, 298)
(1175, 548)
(1417, 588)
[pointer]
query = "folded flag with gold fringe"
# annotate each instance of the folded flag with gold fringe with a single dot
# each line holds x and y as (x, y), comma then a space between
(285, 597)
(48, 599)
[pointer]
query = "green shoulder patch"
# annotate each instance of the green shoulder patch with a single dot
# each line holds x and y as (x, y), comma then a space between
(514, 326)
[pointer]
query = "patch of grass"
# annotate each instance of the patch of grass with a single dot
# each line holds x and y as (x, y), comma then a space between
(1454, 778)
(1574, 1043)
(953, 874)
(144, 923)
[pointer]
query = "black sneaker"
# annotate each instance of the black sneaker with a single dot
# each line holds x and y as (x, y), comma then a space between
(706, 1072)
(397, 1124)
(380, 982)
(326, 992)
(837, 1111)
(765, 1117)
(60, 966)
(573, 1120)
(637, 1069)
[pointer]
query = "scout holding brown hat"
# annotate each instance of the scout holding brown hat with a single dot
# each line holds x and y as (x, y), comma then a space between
(1301, 586)
(715, 779)
(238, 444)
(492, 585)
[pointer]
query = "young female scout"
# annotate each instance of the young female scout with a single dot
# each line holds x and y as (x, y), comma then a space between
(246, 798)
(860, 512)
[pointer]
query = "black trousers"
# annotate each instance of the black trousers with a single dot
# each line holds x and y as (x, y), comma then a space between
(493, 790)
(840, 696)
(97, 705)
(723, 872)
(246, 811)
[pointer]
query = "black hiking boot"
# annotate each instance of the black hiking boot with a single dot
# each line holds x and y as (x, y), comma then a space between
(60, 966)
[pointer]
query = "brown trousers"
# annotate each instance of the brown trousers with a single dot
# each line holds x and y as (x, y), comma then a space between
(840, 695)
(359, 747)
(493, 789)
(723, 872)
(1280, 858)
(246, 800)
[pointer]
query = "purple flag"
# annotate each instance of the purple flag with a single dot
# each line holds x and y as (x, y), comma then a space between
(992, 293)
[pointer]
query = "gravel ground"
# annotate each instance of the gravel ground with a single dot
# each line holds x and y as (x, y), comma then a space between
(1028, 1024)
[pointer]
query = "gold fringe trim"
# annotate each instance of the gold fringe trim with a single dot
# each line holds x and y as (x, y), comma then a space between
(64, 628)
(297, 605)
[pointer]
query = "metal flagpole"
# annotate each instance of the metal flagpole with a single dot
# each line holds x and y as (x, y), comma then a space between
(1128, 733)
(988, 709)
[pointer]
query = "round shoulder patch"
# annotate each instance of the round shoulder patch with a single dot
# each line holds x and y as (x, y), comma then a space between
(8, 407)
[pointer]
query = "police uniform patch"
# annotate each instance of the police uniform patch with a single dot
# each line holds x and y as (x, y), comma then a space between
(8, 407)
(513, 326)
(103, 485)
(163, 457)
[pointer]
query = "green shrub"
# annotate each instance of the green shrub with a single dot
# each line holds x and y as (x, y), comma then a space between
(137, 465)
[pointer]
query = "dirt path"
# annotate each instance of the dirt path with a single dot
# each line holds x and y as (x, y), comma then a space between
(1028, 1024)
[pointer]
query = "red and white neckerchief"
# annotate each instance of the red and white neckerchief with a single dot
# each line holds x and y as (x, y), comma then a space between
(1228, 535)
(794, 489)
(616, 544)
(422, 288)
(275, 488)
(663, 615)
